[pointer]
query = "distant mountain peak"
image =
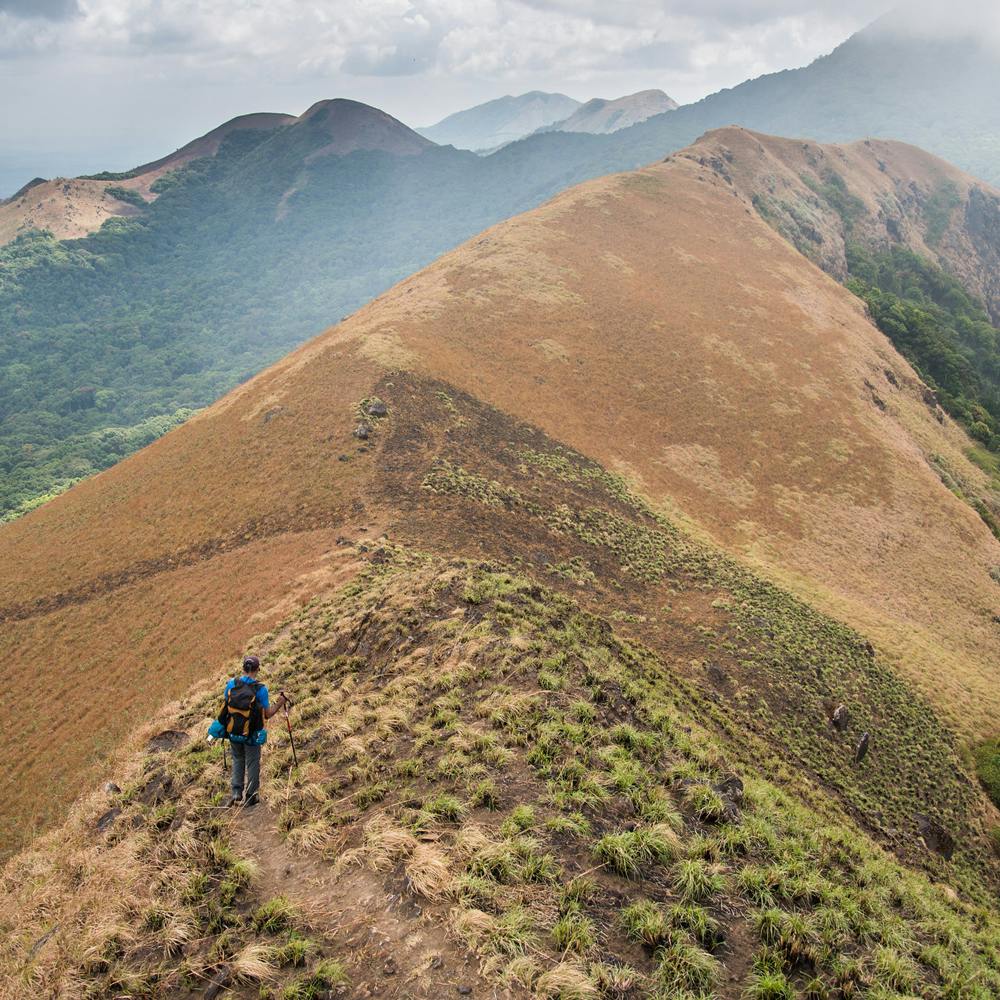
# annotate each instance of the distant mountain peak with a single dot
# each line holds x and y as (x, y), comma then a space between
(502, 120)
(601, 116)
(352, 125)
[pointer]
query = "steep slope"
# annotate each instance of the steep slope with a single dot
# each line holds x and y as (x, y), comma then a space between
(500, 121)
(600, 116)
(873, 193)
(884, 81)
(651, 321)
(915, 237)
(73, 207)
(497, 792)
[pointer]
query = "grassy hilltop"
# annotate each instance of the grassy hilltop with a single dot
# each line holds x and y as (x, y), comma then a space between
(500, 787)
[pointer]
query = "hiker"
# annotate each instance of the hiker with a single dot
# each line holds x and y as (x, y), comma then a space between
(245, 709)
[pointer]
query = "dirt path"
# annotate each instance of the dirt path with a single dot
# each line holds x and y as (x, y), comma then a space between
(394, 946)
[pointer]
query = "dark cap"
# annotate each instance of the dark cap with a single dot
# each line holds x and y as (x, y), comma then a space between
(251, 663)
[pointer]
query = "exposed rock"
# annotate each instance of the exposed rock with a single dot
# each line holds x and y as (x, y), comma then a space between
(730, 790)
(376, 408)
(936, 837)
(156, 789)
(220, 981)
(841, 718)
(362, 432)
(716, 674)
(861, 750)
(169, 739)
(731, 787)
(876, 398)
(37, 946)
(890, 377)
(106, 819)
(112, 789)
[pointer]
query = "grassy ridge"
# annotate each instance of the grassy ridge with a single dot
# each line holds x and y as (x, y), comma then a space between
(543, 787)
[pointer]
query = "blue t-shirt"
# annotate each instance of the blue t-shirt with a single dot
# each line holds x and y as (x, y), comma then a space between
(261, 691)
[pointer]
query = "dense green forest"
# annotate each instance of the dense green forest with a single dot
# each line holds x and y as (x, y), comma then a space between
(939, 328)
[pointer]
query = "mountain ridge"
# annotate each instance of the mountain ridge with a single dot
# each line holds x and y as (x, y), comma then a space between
(601, 116)
(537, 318)
(501, 120)
(549, 738)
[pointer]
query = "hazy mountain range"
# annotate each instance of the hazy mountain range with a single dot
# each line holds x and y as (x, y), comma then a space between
(503, 120)
(507, 119)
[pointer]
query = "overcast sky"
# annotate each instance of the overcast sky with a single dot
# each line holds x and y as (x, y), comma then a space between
(87, 85)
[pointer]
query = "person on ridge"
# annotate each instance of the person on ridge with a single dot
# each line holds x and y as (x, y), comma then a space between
(245, 708)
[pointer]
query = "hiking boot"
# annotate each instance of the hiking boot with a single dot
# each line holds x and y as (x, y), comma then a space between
(235, 801)
(250, 802)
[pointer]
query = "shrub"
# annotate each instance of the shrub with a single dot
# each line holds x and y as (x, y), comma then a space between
(684, 966)
(573, 932)
(644, 922)
(769, 986)
(626, 852)
(696, 880)
(273, 916)
(988, 768)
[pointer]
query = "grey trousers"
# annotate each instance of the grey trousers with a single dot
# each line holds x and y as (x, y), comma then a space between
(246, 762)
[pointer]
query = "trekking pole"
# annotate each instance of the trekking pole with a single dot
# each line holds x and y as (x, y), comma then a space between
(288, 723)
(225, 769)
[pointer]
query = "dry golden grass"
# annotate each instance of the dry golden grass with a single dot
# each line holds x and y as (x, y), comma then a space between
(427, 871)
(893, 180)
(67, 207)
(566, 981)
(708, 358)
(252, 965)
(71, 207)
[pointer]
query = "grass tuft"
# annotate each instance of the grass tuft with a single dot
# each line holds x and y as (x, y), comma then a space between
(626, 852)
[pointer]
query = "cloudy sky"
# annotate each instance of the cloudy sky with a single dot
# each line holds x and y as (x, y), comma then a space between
(106, 84)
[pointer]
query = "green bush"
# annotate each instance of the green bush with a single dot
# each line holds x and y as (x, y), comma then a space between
(988, 768)
(938, 327)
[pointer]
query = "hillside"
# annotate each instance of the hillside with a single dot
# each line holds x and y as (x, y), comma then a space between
(245, 255)
(704, 336)
(600, 116)
(118, 336)
(503, 120)
(71, 207)
(916, 238)
(499, 792)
